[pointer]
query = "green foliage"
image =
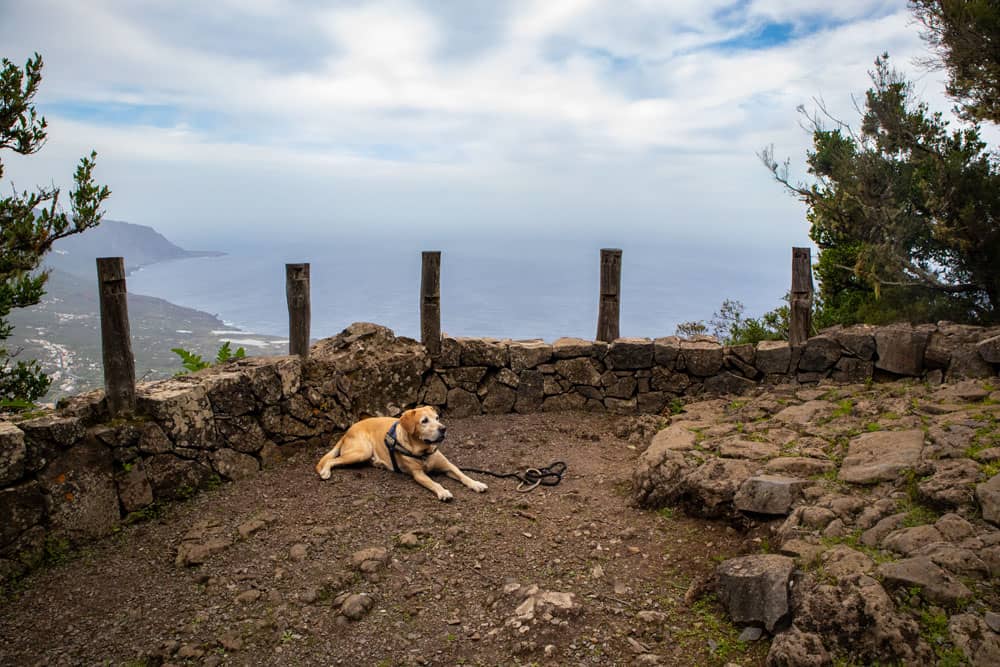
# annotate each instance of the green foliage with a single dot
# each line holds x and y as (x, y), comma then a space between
(194, 363)
(905, 212)
(964, 33)
(732, 327)
(30, 222)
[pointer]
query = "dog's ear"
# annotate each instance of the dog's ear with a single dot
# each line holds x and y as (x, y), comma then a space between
(409, 421)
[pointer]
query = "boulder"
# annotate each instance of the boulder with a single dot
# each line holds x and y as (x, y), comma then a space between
(233, 465)
(936, 586)
(977, 640)
(630, 354)
(755, 589)
(881, 456)
(858, 340)
(900, 350)
(12, 453)
(658, 479)
(379, 371)
(768, 494)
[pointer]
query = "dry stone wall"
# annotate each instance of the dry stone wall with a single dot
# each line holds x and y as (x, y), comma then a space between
(74, 475)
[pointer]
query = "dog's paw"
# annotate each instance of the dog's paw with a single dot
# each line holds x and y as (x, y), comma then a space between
(444, 495)
(325, 474)
(478, 487)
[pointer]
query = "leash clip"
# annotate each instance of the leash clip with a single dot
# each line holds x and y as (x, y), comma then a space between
(533, 478)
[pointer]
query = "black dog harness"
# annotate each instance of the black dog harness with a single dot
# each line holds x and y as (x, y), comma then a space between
(395, 448)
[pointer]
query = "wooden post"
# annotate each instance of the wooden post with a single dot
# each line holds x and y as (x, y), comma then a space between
(430, 301)
(800, 306)
(299, 312)
(608, 314)
(116, 339)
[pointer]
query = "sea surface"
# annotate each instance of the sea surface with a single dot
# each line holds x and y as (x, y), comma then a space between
(502, 288)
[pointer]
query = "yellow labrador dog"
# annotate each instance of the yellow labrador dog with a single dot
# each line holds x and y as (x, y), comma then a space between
(408, 445)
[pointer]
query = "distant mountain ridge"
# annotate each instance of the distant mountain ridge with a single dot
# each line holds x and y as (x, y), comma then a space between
(140, 245)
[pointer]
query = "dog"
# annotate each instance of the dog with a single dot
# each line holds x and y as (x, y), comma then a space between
(408, 445)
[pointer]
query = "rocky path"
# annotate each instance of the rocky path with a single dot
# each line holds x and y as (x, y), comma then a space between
(370, 569)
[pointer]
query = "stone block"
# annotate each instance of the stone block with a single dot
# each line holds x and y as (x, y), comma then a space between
(629, 354)
(769, 494)
(530, 392)
(233, 465)
(881, 456)
(21, 507)
(45, 437)
(988, 495)
(80, 484)
(580, 370)
(173, 478)
(563, 402)
(182, 409)
(935, 585)
(755, 589)
(900, 350)
(773, 357)
(989, 349)
(666, 350)
(462, 403)
(528, 354)
(819, 354)
(728, 383)
(12, 453)
(567, 348)
(701, 358)
(134, 489)
(484, 352)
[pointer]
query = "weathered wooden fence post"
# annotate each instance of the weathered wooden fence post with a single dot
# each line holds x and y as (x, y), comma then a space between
(800, 306)
(116, 339)
(299, 312)
(608, 313)
(430, 301)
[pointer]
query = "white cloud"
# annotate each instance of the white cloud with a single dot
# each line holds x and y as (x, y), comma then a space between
(560, 109)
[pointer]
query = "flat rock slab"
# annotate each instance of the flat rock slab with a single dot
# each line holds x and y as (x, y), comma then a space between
(802, 414)
(754, 589)
(798, 466)
(748, 449)
(768, 494)
(936, 585)
(881, 456)
(675, 437)
(988, 495)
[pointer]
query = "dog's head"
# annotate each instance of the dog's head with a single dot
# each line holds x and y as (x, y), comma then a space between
(423, 428)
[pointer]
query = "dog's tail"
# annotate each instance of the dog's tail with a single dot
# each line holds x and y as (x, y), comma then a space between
(332, 454)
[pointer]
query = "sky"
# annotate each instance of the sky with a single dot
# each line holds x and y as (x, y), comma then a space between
(259, 120)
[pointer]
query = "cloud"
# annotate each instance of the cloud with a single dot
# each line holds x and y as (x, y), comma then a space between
(511, 113)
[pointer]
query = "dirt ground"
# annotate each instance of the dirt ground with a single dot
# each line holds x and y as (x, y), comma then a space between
(277, 568)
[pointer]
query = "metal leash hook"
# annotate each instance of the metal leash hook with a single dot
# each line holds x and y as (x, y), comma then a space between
(532, 477)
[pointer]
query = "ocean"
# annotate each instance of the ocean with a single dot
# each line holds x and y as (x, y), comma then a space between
(501, 288)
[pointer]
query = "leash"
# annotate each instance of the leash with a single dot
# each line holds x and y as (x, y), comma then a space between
(531, 478)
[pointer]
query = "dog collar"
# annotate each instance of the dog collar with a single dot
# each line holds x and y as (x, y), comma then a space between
(392, 444)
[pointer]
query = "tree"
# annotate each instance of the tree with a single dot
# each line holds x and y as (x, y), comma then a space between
(965, 34)
(905, 212)
(30, 222)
